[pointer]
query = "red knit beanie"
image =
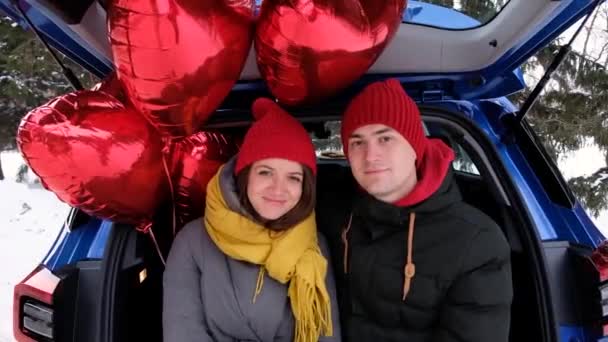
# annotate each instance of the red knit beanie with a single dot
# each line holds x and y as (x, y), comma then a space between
(385, 103)
(275, 134)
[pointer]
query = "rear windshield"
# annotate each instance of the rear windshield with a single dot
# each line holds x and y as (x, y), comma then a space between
(453, 14)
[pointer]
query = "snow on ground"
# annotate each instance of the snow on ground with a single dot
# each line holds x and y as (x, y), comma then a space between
(30, 218)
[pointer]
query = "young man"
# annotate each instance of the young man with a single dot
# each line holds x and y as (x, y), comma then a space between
(413, 261)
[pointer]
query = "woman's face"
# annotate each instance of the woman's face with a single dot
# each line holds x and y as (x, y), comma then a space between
(274, 186)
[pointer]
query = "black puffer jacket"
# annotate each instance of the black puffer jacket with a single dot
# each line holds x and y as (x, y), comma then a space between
(462, 288)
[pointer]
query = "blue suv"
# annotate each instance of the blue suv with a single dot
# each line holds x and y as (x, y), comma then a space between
(102, 281)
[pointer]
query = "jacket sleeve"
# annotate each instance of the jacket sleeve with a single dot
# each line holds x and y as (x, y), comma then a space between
(478, 303)
(331, 289)
(183, 316)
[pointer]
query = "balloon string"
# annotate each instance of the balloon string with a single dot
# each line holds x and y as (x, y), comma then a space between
(160, 255)
(172, 194)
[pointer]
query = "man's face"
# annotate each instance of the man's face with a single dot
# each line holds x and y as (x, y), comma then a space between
(382, 162)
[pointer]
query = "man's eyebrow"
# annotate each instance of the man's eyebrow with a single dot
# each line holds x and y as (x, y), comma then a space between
(378, 132)
(383, 130)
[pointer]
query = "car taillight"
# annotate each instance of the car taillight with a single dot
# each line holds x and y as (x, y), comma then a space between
(600, 260)
(33, 314)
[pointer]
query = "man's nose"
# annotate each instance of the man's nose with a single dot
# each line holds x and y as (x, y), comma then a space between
(371, 152)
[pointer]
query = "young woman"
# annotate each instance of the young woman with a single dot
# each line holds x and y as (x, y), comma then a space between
(254, 267)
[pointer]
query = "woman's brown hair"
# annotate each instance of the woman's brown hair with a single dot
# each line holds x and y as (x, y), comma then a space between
(301, 211)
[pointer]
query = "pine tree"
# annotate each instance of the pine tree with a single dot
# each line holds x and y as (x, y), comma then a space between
(572, 111)
(28, 77)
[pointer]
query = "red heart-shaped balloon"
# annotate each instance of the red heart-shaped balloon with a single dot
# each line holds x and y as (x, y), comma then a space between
(97, 155)
(195, 161)
(307, 50)
(179, 59)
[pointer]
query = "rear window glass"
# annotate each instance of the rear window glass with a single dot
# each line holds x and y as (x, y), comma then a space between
(453, 14)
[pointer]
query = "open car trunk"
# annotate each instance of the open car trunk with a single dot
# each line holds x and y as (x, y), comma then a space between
(545, 296)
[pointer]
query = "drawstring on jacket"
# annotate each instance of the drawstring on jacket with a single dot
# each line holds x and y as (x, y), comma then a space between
(409, 271)
(345, 242)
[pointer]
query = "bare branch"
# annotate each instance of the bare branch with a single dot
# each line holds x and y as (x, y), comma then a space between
(599, 56)
(589, 31)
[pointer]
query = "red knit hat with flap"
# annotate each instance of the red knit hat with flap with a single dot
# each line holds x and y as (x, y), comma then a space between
(275, 134)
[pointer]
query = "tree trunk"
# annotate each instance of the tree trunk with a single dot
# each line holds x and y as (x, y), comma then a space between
(1, 173)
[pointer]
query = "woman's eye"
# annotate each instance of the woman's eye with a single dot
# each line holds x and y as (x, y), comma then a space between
(264, 173)
(296, 179)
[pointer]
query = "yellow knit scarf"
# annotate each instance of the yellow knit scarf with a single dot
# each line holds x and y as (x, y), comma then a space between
(290, 256)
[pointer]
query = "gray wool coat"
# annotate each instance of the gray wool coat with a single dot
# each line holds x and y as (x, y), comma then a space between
(208, 296)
